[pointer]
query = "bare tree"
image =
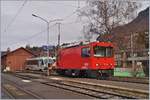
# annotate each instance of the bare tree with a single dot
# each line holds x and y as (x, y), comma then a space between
(86, 32)
(105, 15)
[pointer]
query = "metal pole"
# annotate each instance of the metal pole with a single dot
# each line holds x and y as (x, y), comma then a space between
(58, 41)
(132, 44)
(47, 22)
(47, 48)
(58, 34)
(132, 54)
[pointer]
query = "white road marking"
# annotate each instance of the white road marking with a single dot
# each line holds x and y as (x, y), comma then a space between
(55, 78)
(26, 81)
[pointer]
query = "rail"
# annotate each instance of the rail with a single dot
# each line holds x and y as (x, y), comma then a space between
(97, 89)
(17, 92)
(119, 79)
(126, 92)
(63, 84)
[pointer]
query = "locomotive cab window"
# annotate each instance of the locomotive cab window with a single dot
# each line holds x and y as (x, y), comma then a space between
(109, 51)
(100, 51)
(85, 52)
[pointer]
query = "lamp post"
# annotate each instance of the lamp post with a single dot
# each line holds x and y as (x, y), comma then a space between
(47, 22)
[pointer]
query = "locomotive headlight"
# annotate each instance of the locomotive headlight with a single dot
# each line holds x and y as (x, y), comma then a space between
(97, 64)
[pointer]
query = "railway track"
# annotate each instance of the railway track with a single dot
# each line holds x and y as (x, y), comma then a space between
(85, 90)
(79, 89)
(130, 79)
(6, 93)
(16, 92)
(95, 90)
(114, 90)
(119, 79)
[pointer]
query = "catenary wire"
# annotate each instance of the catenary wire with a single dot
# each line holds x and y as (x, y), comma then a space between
(14, 18)
(32, 36)
(37, 34)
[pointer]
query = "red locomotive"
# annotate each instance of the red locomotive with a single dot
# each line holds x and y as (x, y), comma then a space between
(90, 59)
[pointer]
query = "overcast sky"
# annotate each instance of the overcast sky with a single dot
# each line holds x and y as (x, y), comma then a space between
(23, 28)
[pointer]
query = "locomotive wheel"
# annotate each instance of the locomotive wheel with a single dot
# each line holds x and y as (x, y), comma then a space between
(68, 72)
(105, 74)
(92, 73)
(99, 74)
(60, 72)
(83, 73)
(76, 73)
(111, 72)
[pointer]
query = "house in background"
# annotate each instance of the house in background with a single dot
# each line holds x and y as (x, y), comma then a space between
(15, 60)
(131, 42)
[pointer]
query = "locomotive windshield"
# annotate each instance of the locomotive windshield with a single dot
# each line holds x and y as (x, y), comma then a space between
(100, 51)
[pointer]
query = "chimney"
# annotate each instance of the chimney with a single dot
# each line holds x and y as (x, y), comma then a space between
(8, 50)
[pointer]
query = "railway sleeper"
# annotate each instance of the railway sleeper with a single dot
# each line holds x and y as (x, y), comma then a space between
(105, 89)
(83, 91)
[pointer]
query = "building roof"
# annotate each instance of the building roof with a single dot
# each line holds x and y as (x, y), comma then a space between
(3, 53)
(17, 50)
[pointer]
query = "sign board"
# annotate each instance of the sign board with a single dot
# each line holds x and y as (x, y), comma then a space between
(45, 48)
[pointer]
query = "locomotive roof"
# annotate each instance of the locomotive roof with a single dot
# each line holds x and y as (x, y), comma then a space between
(83, 44)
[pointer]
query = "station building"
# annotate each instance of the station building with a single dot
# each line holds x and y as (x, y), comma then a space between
(15, 60)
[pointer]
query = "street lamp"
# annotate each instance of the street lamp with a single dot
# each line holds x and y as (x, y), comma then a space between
(47, 22)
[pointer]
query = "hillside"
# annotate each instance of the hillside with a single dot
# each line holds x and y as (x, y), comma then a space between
(139, 24)
(121, 35)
